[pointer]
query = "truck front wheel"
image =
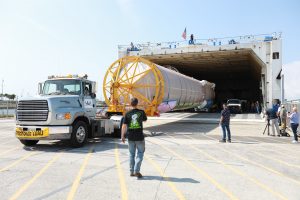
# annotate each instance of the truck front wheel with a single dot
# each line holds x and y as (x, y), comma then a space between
(79, 134)
(29, 142)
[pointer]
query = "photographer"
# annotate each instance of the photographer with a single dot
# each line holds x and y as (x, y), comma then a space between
(273, 119)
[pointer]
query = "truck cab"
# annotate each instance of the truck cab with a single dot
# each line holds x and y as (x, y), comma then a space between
(64, 109)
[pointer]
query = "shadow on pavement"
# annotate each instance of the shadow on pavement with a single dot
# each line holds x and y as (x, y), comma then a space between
(170, 179)
(181, 127)
(100, 145)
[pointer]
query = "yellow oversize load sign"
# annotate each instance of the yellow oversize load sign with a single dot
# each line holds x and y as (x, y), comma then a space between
(32, 133)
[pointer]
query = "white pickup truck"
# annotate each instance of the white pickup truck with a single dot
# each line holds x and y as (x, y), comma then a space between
(234, 105)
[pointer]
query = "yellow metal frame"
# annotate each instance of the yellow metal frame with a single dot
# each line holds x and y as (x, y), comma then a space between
(117, 86)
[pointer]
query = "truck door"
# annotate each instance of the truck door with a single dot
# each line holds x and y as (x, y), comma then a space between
(89, 103)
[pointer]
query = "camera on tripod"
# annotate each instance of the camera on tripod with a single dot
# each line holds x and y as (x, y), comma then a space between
(271, 114)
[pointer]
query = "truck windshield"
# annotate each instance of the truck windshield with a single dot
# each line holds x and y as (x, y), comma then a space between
(233, 101)
(62, 87)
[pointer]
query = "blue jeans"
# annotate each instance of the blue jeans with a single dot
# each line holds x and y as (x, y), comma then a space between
(135, 163)
(225, 127)
(294, 128)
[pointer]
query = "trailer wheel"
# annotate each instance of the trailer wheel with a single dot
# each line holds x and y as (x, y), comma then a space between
(79, 134)
(29, 142)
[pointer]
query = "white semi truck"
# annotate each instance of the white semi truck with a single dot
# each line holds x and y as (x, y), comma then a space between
(65, 109)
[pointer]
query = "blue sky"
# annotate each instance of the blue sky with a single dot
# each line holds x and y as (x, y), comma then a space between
(43, 37)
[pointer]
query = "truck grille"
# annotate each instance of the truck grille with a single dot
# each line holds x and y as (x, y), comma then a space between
(35, 110)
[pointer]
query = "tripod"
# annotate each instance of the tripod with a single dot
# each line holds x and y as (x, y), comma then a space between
(267, 126)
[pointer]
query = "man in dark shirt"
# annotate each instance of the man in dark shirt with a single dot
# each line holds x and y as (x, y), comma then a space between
(224, 123)
(273, 119)
(133, 124)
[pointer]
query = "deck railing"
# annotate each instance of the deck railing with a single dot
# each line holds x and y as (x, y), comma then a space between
(208, 42)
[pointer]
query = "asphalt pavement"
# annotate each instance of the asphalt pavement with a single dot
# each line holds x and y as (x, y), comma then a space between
(183, 160)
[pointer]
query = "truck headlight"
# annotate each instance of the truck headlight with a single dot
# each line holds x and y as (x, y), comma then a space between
(63, 116)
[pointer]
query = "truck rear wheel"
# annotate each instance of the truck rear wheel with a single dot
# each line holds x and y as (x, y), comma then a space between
(79, 134)
(118, 131)
(29, 142)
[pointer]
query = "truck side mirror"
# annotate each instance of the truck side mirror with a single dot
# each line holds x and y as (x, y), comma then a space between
(94, 87)
(40, 88)
(93, 95)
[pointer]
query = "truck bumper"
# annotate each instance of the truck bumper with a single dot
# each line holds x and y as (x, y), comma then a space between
(54, 132)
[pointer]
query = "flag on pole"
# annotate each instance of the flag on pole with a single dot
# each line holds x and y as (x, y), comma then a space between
(184, 34)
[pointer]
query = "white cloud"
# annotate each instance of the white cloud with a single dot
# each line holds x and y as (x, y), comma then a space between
(292, 80)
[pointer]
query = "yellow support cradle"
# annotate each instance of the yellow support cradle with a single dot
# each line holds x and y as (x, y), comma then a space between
(121, 83)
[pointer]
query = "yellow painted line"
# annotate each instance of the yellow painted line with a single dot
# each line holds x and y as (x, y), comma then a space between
(171, 185)
(201, 172)
(277, 160)
(239, 172)
(255, 163)
(280, 147)
(17, 161)
(276, 146)
(271, 138)
(79, 175)
(287, 150)
(34, 178)
(7, 151)
(121, 174)
(278, 141)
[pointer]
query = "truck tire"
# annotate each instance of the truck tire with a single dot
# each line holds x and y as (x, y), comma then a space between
(118, 131)
(29, 143)
(79, 134)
